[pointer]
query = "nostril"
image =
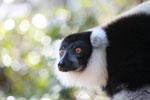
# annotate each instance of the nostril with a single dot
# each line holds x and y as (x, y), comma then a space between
(61, 64)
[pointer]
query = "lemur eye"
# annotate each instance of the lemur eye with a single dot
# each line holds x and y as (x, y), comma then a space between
(78, 50)
(61, 52)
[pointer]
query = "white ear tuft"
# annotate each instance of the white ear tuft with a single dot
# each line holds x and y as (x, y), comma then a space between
(98, 38)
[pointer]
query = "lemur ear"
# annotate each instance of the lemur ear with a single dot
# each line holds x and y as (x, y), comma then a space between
(98, 38)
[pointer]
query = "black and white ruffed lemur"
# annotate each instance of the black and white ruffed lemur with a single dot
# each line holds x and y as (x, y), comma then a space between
(115, 56)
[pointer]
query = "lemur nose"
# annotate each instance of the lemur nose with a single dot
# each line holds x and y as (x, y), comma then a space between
(61, 64)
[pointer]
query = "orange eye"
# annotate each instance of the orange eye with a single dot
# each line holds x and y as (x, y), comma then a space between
(78, 50)
(61, 52)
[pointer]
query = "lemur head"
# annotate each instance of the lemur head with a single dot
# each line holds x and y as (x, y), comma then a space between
(75, 51)
(83, 54)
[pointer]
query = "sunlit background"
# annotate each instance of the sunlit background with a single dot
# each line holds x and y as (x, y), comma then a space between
(28, 31)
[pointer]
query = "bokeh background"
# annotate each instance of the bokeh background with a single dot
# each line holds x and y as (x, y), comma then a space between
(29, 30)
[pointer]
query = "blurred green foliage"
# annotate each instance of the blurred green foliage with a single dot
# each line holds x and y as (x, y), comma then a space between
(28, 31)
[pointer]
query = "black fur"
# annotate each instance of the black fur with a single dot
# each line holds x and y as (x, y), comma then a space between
(72, 61)
(128, 53)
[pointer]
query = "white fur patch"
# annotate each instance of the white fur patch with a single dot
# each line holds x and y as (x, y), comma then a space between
(98, 38)
(141, 8)
(140, 94)
(95, 74)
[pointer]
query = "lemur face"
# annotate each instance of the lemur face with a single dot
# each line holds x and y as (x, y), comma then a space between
(82, 59)
(75, 51)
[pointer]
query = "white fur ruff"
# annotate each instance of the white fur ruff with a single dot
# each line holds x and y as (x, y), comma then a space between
(93, 76)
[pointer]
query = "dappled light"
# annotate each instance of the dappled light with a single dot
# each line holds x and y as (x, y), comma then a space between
(29, 32)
